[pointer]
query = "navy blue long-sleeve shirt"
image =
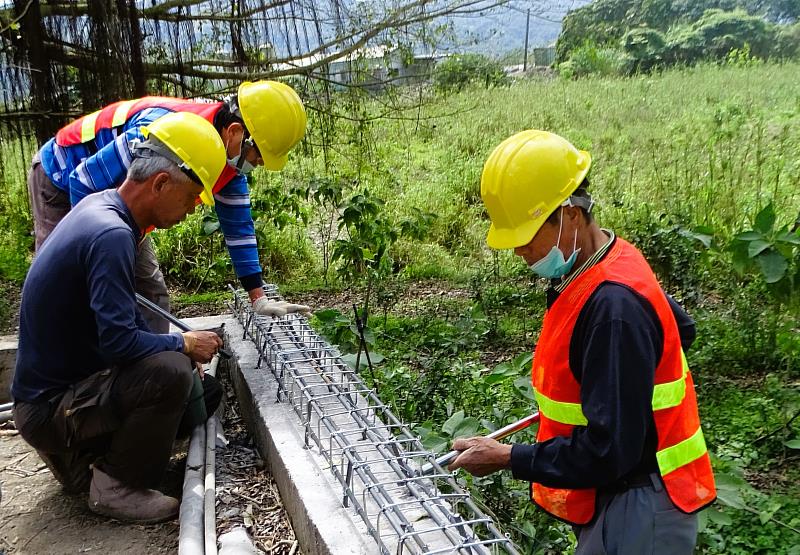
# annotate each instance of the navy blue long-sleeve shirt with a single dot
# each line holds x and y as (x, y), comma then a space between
(78, 314)
(616, 345)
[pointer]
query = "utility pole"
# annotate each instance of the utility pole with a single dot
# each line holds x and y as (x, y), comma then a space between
(527, 28)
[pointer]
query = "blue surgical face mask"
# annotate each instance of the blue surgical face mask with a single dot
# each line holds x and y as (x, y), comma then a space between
(553, 265)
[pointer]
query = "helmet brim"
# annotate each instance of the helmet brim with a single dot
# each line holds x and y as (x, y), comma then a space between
(274, 163)
(501, 239)
(207, 197)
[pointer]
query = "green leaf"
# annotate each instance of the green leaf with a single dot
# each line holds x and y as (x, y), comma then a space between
(493, 378)
(793, 444)
(523, 386)
(773, 265)
(765, 220)
(730, 498)
(452, 423)
(757, 247)
(434, 442)
(791, 238)
(210, 226)
(369, 336)
(350, 360)
(327, 315)
(740, 260)
(749, 236)
(468, 427)
(697, 235)
(718, 517)
(523, 361)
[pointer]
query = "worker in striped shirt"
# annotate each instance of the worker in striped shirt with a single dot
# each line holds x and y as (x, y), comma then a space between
(258, 126)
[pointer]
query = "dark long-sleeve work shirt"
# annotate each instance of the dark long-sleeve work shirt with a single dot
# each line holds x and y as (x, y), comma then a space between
(614, 350)
(78, 314)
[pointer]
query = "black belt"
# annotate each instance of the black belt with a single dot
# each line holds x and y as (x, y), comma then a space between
(639, 480)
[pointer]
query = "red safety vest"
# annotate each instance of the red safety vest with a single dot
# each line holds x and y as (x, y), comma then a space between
(85, 128)
(681, 453)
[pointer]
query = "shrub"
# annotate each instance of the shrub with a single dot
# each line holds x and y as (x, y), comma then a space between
(645, 47)
(591, 59)
(456, 72)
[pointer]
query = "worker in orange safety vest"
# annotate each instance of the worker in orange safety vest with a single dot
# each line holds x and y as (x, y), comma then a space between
(620, 453)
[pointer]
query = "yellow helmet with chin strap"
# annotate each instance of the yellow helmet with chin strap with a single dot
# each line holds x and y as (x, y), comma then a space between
(192, 143)
(275, 118)
(524, 180)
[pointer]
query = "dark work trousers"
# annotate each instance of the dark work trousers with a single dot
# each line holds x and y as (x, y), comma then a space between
(124, 420)
(150, 285)
(50, 204)
(638, 520)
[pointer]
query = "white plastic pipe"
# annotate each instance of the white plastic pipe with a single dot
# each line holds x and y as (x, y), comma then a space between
(209, 497)
(190, 537)
(198, 529)
(6, 416)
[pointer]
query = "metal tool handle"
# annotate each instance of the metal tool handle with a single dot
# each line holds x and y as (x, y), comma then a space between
(180, 324)
(500, 434)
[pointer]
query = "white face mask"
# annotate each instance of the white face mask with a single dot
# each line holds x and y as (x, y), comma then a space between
(240, 162)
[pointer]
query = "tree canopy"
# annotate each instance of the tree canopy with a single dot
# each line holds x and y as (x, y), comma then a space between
(650, 33)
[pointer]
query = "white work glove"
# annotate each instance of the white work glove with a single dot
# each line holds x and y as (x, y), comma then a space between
(276, 309)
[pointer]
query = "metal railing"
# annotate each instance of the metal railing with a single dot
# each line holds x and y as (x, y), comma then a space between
(373, 455)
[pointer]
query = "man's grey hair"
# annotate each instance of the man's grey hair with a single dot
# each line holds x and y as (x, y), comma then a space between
(143, 167)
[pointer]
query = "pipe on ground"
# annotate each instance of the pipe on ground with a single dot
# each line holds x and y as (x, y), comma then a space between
(5, 416)
(192, 538)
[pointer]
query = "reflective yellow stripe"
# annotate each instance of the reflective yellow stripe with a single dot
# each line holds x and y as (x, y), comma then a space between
(565, 413)
(87, 126)
(121, 113)
(671, 394)
(665, 395)
(681, 453)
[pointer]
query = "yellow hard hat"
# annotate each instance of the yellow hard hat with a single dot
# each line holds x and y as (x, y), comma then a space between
(275, 118)
(524, 180)
(193, 144)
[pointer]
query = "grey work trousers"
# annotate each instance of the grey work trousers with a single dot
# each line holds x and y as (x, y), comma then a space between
(124, 420)
(638, 521)
(50, 204)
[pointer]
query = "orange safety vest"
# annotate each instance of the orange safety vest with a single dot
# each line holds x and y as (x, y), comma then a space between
(85, 128)
(681, 452)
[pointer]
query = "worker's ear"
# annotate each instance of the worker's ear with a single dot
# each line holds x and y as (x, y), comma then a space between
(573, 213)
(160, 181)
(234, 132)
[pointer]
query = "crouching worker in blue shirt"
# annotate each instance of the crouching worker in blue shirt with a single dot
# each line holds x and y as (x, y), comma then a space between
(98, 395)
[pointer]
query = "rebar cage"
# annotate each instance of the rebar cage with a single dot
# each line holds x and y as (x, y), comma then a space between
(372, 454)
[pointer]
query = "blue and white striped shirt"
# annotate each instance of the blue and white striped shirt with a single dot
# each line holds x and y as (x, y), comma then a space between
(102, 164)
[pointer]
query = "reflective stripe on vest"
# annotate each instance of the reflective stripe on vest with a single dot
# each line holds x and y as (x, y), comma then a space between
(681, 453)
(121, 113)
(671, 394)
(665, 395)
(565, 413)
(87, 126)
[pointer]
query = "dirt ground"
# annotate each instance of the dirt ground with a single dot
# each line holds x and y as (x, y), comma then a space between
(36, 516)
